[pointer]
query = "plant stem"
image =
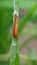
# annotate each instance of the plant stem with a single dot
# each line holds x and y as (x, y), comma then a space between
(14, 59)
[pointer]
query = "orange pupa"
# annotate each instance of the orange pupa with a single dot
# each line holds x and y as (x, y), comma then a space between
(15, 29)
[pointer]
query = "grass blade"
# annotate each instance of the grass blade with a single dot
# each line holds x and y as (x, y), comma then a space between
(14, 60)
(25, 19)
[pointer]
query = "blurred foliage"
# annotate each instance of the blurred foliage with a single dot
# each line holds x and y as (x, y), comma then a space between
(6, 22)
(30, 4)
(26, 19)
(4, 63)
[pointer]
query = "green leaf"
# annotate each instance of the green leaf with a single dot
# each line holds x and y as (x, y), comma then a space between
(6, 23)
(25, 19)
(4, 63)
